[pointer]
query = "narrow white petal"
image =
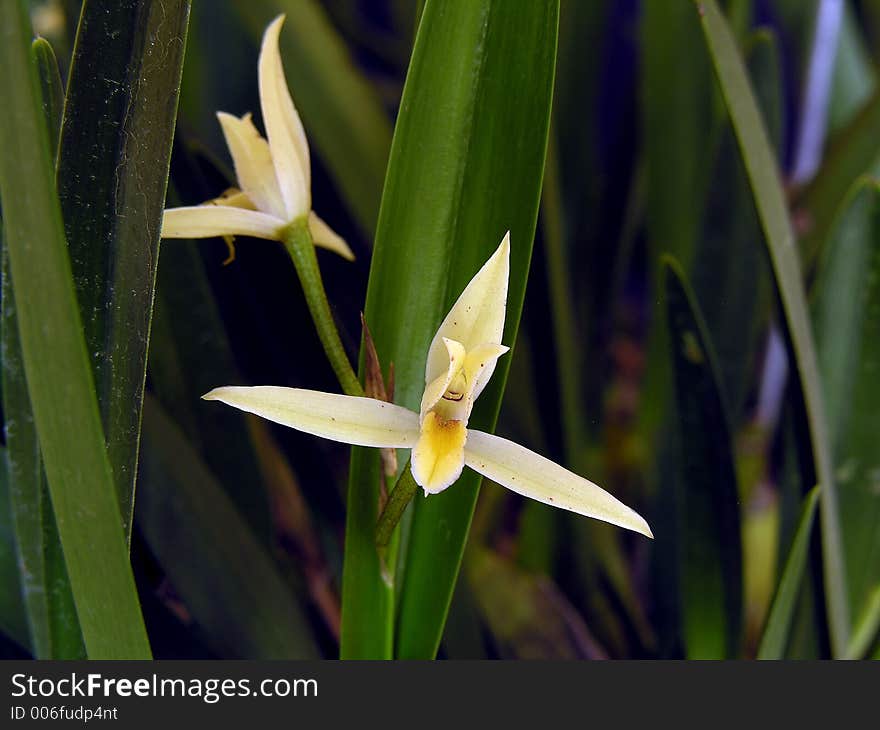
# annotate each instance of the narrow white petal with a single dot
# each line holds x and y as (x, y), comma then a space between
(345, 418)
(477, 317)
(326, 237)
(526, 473)
(206, 221)
(253, 163)
(287, 138)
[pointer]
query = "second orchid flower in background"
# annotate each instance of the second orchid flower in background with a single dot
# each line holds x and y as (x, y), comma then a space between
(274, 176)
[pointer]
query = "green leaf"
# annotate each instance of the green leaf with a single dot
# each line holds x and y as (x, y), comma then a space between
(52, 622)
(711, 552)
(677, 109)
(854, 78)
(112, 172)
(866, 628)
(215, 563)
(341, 111)
(846, 327)
(13, 619)
(465, 167)
(56, 364)
(52, 89)
(731, 275)
(852, 152)
(782, 610)
(772, 210)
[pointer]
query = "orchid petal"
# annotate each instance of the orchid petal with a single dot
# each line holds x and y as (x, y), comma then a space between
(206, 221)
(287, 138)
(526, 473)
(479, 365)
(326, 237)
(478, 316)
(455, 355)
(234, 198)
(344, 418)
(253, 163)
(438, 456)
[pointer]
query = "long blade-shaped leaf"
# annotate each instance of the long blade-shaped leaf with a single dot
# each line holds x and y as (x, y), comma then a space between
(846, 317)
(112, 171)
(51, 616)
(466, 166)
(214, 561)
(56, 363)
(770, 200)
(710, 523)
(782, 610)
(52, 623)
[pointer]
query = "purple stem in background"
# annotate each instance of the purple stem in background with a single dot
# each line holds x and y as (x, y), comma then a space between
(807, 156)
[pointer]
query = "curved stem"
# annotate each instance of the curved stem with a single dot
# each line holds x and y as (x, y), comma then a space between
(400, 497)
(298, 241)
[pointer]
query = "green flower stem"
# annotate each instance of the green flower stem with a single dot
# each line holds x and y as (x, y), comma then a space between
(298, 242)
(400, 497)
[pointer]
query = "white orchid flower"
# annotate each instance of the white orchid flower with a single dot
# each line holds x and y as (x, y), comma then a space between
(460, 362)
(274, 176)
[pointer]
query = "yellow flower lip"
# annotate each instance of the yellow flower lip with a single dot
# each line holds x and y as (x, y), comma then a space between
(273, 173)
(460, 361)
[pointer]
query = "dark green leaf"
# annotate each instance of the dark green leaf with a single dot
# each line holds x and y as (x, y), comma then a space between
(214, 561)
(711, 551)
(56, 364)
(13, 619)
(112, 172)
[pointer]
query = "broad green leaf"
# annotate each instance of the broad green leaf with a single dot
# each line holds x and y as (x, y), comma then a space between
(782, 610)
(711, 550)
(465, 167)
(52, 622)
(846, 319)
(766, 185)
(341, 112)
(56, 364)
(115, 148)
(215, 563)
